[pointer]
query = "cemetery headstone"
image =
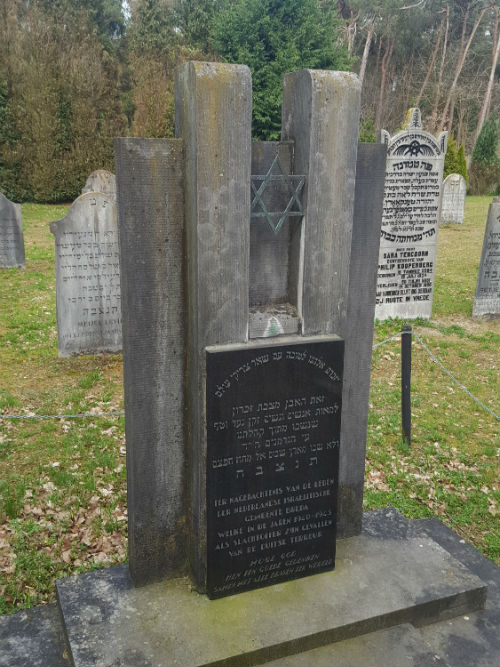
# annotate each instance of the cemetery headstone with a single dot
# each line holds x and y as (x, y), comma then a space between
(487, 297)
(414, 173)
(453, 199)
(11, 235)
(247, 492)
(101, 181)
(88, 277)
(241, 399)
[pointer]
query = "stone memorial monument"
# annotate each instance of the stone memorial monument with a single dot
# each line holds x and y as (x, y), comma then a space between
(487, 296)
(453, 199)
(101, 181)
(264, 367)
(88, 277)
(408, 243)
(11, 235)
(248, 294)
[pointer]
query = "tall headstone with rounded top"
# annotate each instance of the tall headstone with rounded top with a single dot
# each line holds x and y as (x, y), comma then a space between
(11, 235)
(487, 297)
(101, 181)
(407, 257)
(453, 199)
(88, 277)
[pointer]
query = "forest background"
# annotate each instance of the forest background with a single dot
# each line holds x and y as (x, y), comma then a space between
(76, 73)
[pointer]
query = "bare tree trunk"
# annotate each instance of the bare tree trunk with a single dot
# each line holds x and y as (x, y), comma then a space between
(430, 69)
(366, 50)
(494, 41)
(384, 68)
(408, 80)
(450, 102)
(434, 120)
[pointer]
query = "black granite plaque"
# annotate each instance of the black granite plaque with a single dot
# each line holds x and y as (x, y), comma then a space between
(273, 429)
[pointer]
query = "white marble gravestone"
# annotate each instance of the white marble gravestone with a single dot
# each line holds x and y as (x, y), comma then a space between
(414, 173)
(11, 235)
(487, 297)
(88, 277)
(453, 199)
(101, 181)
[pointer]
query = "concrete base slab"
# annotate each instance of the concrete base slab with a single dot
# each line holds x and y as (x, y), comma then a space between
(401, 646)
(385, 577)
(469, 639)
(33, 638)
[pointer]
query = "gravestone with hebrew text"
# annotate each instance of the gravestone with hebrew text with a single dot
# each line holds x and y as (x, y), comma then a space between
(487, 296)
(408, 243)
(101, 181)
(248, 295)
(453, 199)
(11, 235)
(88, 277)
(245, 450)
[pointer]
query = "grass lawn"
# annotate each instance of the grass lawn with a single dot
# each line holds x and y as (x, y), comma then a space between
(62, 481)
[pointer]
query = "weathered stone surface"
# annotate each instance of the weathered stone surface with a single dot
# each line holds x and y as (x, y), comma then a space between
(487, 296)
(320, 114)
(213, 105)
(414, 173)
(11, 235)
(358, 334)
(101, 181)
(33, 638)
(151, 222)
(88, 277)
(401, 646)
(273, 271)
(453, 199)
(469, 639)
(381, 580)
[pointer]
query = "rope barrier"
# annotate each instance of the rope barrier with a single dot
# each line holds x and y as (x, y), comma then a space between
(387, 340)
(448, 373)
(452, 377)
(88, 414)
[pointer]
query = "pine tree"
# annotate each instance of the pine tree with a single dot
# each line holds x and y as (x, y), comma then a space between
(485, 165)
(451, 163)
(273, 37)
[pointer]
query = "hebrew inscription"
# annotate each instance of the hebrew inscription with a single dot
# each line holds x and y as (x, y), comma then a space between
(88, 277)
(487, 297)
(273, 429)
(408, 241)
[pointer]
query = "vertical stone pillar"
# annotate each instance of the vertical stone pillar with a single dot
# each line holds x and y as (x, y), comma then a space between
(213, 104)
(321, 114)
(358, 334)
(149, 174)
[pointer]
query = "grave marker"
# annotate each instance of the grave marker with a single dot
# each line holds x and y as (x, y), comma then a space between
(414, 172)
(453, 199)
(267, 257)
(101, 181)
(487, 296)
(273, 436)
(11, 235)
(88, 277)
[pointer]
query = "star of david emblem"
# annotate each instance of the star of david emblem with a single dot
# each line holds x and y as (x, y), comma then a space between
(294, 185)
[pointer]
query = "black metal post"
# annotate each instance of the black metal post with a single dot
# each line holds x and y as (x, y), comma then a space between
(406, 337)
